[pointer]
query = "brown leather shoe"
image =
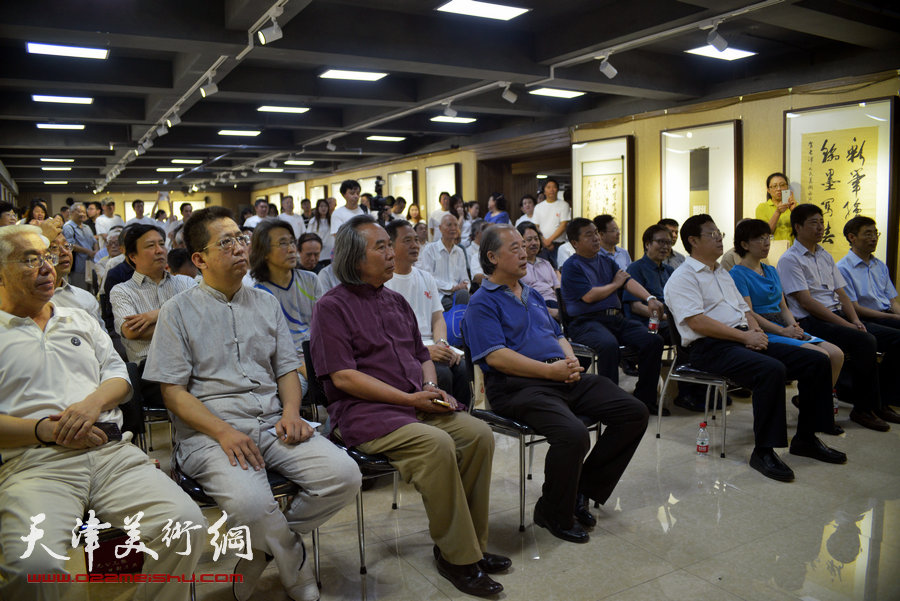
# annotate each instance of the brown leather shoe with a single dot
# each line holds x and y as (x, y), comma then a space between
(888, 414)
(869, 420)
(470, 578)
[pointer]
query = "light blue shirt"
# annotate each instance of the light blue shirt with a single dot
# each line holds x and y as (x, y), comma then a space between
(867, 283)
(620, 256)
(816, 272)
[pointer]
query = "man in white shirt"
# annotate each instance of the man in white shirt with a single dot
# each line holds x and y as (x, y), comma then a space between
(350, 191)
(552, 216)
(108, 220)
(446, 261)
(186, 209)
(610, 235)
(65, 294)
(434, 220)
(262, 211)
(139, 217)
(718, 327)
(287, 214)
(420, 291)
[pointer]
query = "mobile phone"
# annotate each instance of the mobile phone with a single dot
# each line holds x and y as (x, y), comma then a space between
(441, 402)
(111, 429)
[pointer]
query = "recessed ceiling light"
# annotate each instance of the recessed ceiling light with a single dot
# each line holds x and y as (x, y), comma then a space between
(556, 93)
(148, 181)
(187, 161)
(354, 75)
(58, 160)
(386, 138)
(239, 132)
(541, 176)
(62, 99)
(170, 169)
(72, 51)
(60, 126)
(446, 119)
(487, 10)
(730, 54)
(282, 109)
(299, 162)
(56, 182)
(56, 168)
(270, 170)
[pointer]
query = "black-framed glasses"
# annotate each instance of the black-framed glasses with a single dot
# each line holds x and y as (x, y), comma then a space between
(663, 242)
(227, 244)
(36, 261)
(714, 235)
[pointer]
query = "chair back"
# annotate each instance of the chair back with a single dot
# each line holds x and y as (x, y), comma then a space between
(133, 411)
(315, 395)
(476, 381)
(564, 318)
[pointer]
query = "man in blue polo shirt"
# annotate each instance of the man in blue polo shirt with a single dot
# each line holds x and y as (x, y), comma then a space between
(532, 375)
(869, 285)
(590, 290)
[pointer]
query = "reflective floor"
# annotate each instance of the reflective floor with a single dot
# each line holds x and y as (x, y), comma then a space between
(678, 527)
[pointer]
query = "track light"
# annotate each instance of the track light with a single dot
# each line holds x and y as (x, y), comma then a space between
(508, 95)
(173, 120)
(330, 146)
(148, 143)
(139, 150)
(716, 40)
(449, 111)
(209, 89)
(269, 34)
(607, 69)
(162, 130)
(273, 164)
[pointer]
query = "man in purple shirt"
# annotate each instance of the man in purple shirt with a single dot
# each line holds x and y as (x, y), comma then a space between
(380, 384)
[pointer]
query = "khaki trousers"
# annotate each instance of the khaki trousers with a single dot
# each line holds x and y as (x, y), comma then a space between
(447, 457)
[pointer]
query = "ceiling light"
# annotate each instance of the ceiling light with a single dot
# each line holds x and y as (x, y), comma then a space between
(170, 169)
(209, 89)
(148, 181)
(139, 151)
(730, 54)
(486, 10)
(541, 176)
(508, 95)
(239, 132)
(60, 126)
(270, 170)
(299, 162)
(386, 138)
(446, 119)
(556, 93)
(56, 182)
(353, 75)
(71, 51)
(173, 120)
(282, 109)
(162, 130)
(273, 164)
(58, 160)
(330, 146)
(449, 111)
(875, 118)
(187, 161)
(269, 34)
(607, 69)
(716, 40)
(62, 99)
(56, 168)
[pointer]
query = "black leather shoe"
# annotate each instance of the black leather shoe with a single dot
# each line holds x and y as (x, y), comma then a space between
(583, 513)
(470, 578)
(691, 404)
(770, 465)
(815, 448)
(869, 420)
(888, 414)
(834, 430)
(574, 534)
(654, 410)
(492, 563)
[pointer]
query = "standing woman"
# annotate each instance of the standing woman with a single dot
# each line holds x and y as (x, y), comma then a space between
(413, 215)
(458, 210)
(320, 224)
(496, 209)
(776, 211)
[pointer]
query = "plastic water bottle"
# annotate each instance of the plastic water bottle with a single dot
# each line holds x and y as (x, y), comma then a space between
(703, 441)
(653, 324)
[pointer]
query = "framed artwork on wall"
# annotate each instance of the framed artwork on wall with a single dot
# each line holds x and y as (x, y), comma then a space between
(841, 158)
(440, 178)
(297, 190)
(317, 193)
(403, 183)
(603, 183)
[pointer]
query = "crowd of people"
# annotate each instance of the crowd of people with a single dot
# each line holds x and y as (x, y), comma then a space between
(215, 313)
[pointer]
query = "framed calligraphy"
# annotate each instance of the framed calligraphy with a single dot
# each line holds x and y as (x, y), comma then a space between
(603, 183)
(441, 178)
(841, 158)
(404, 183)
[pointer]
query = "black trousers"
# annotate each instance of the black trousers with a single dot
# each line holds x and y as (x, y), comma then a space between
(554, 410)
(765, 372)
(872, 384)
(454, 380)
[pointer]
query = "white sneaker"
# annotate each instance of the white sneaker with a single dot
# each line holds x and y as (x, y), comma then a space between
(306, 589)
(251, 570)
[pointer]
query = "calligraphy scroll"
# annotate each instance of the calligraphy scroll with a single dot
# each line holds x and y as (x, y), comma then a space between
(602, 189)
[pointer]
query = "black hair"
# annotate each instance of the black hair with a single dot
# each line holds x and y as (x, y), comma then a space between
(183, 205)
(533, 200)
(857, 223)
(801, 213)
(134, 203)
(349, 184)
(769, 180)
(96, 204)
(527, 225)
(747, 230)
(176, 258)
(693, 226)
(601, 221)
(134, 232)
(499, 201)
(573, 230)
(394, 225)
(196, 233)
(667, 221)
(651, 231)
(547, 181)
(308, 237)
(261, 244)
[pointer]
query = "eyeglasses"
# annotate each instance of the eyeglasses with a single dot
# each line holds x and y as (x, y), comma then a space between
(55, 248)
(874, 234)
(714, 235)
(781, 186)
(663, 241)
(36, 261)
(285, 244)
(227, 244)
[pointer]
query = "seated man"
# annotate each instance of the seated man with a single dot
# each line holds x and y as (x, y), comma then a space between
(675, 258)
(815, 294)
(224, 357)
(445, 260)
(380, 382)
(590, 284)
(869, 284)
(63, 452)
(309, 248)
(420, 291)
(532, 375)
(67, 295)
(719, 329)
(610, 236)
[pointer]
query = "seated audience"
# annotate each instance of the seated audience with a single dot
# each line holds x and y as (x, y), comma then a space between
(420, 291)
(64, 454)
(496, 209)
(526, 204)
(261, 206)
(718, 328)
(309, 249)
(380, 382)
(539, 273)
(179, 261)
(610, 235)
(446, 262)
(65, 294)
(228, 370)
(325, 281)
(816, 297)
(675, 258)
(563, 253)
(590, 288)
(869, 285)
(532, 375)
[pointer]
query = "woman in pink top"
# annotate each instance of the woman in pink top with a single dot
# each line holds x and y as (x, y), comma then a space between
(539, 273)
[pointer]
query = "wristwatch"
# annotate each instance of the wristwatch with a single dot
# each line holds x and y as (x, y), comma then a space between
(650, 297)
(432, 384)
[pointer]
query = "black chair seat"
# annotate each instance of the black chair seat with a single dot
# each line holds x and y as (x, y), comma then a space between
(280, 486)
(505, 424)
(369, 465)
(688, 370)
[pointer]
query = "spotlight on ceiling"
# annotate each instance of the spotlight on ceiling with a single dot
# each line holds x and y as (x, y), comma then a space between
(716, 40)
(162, 130)
(173, 120)
(607, 69)
(449, 111)
(269, 34)
(330, 146)
(508, 95)
(210, 88)
(273, 164)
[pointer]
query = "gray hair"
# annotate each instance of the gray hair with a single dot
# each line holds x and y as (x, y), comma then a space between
(350, 250)
(478, 226)
(76, 205)
(9, 232)
(491, 241)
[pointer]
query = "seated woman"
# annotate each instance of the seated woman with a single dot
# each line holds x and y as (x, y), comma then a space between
(273, 265)
(496, 209)
(761, 288)
(539, 273)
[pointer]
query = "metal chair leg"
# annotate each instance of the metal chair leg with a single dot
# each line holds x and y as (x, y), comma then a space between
(315, 539)
(530, 454)
(724, 393)
(662, 395)
(396, 489)
(360, 525)
(522, 482)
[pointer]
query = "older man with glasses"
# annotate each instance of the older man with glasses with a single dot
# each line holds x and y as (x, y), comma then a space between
(65, 294)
